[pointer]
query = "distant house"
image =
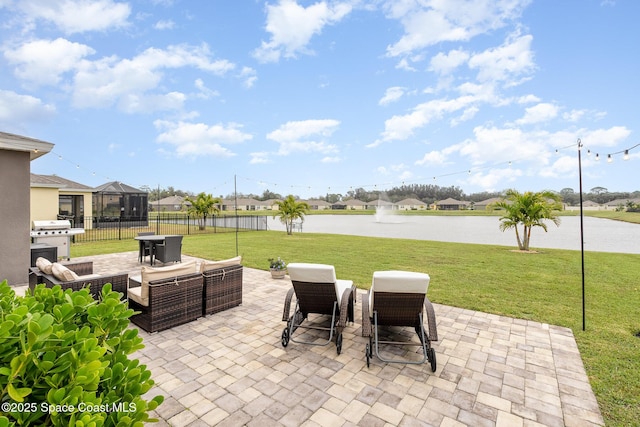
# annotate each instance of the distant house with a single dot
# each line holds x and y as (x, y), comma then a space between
(450, 205)
(354, 204)
(242, 204)
(411, 205)
(318, 205)
(380, 204)
(482, 205)
(54, 197)
(171, 203)
(614, 204)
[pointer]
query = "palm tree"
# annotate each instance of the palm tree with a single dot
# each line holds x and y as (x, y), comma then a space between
(529, 209)
(201, 207)
(290, 210)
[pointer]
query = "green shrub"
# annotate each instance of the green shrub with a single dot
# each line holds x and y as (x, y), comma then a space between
(64, 360)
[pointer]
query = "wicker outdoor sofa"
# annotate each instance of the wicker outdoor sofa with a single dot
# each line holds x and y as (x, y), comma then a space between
(166, 297)
(84, 271)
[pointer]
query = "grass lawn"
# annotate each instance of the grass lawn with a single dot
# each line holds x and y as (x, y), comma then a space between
(544, 286)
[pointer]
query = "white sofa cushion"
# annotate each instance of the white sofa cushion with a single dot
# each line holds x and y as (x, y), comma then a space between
(63, 273)
(212, 265)
(140, 294)
(399, 282)
(318, 273)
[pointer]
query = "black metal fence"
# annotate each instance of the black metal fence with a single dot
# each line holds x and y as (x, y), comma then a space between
(163, 223)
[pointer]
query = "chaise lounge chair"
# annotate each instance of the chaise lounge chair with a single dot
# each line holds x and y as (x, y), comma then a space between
(399, 298)
(317, 291)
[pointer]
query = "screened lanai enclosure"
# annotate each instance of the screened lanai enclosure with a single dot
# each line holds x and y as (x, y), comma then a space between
(115, 203)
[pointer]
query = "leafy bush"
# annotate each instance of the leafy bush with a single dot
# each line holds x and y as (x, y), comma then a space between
(63, 360)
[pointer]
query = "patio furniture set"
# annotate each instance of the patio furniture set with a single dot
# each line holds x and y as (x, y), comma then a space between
(165, 297)
(162, 297)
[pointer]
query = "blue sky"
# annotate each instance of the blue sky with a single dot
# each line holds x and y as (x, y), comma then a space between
(316, 97)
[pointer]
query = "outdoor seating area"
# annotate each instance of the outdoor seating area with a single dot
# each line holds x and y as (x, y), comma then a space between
(232, 369)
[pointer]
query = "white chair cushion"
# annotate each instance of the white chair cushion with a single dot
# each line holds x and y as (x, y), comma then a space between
(407, 282)
(318, 273)
(136, 295)
(212, 265)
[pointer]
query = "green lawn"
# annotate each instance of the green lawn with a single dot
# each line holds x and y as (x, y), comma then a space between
(545, 287)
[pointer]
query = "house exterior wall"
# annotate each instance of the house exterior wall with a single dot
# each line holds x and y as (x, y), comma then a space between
(44, 204)
(14, 227)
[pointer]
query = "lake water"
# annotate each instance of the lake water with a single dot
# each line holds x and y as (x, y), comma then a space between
(600, 235)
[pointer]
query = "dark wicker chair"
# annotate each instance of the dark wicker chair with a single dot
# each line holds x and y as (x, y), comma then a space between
(317, 291)
(397, 298)
(145, 247)
(222, 289)
(85, 271)
(169, 251)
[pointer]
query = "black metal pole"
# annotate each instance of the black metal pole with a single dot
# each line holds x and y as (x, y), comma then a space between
(235, 191)
(581, 232)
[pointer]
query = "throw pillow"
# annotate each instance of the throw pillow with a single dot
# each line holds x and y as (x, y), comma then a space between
(63, 273)
(44, 265)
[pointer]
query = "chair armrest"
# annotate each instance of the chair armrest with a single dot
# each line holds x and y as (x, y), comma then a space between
(366, 317)
(347, 302)
(287, 305)
(431, 320)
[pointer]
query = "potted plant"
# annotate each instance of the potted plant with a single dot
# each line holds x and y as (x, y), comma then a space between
(278, 268)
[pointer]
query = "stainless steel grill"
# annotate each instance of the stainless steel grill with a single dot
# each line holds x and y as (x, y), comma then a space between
(55, 233)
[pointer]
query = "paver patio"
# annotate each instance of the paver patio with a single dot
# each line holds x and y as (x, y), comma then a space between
(230, 369)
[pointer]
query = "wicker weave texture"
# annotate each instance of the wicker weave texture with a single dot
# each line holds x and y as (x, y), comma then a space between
(222, 289)
(172, 302)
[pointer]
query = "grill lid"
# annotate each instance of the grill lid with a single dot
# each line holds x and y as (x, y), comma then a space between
(60, 224)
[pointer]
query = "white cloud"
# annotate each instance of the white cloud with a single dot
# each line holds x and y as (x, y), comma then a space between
(542, 112)
(197, 139)
(259, 158)
(432, 158)
(44, 61)
(77, 16)
(444, 63)
(504, 63)
(494, 179)
(305, 136)
(111, 80)
(248, 75)
(392, 94)
(292, 26)
(401, 127)
(574, 115)
(17, 110)
(428, 23)
(164, 24)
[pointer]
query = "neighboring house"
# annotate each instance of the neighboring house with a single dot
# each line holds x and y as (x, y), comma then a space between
(482, 205)
(54, 197)
(169, 204)
(614, 204)
(411, 205)
(244, 204)
(16, 154)
(587, 205)
(354, 204)
(380, 204)
(318, 205)
(450, 204)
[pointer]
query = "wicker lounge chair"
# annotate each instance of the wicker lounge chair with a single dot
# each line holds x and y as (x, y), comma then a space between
(166, 297)
(397, 298)
(222, 285)
(85, 276)
(317, 291)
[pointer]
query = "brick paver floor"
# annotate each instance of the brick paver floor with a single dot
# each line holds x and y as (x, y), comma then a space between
(230, 369)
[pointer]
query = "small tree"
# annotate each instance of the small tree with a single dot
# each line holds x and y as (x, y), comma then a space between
(528, 209)
(201, 207)
(290, 210)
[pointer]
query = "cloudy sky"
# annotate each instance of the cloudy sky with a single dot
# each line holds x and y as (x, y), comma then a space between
(316, 97)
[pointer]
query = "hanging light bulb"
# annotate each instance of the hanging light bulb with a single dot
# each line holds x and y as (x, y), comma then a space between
(597, 156)
(588, 152)
(609, 158)
(626, 155)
